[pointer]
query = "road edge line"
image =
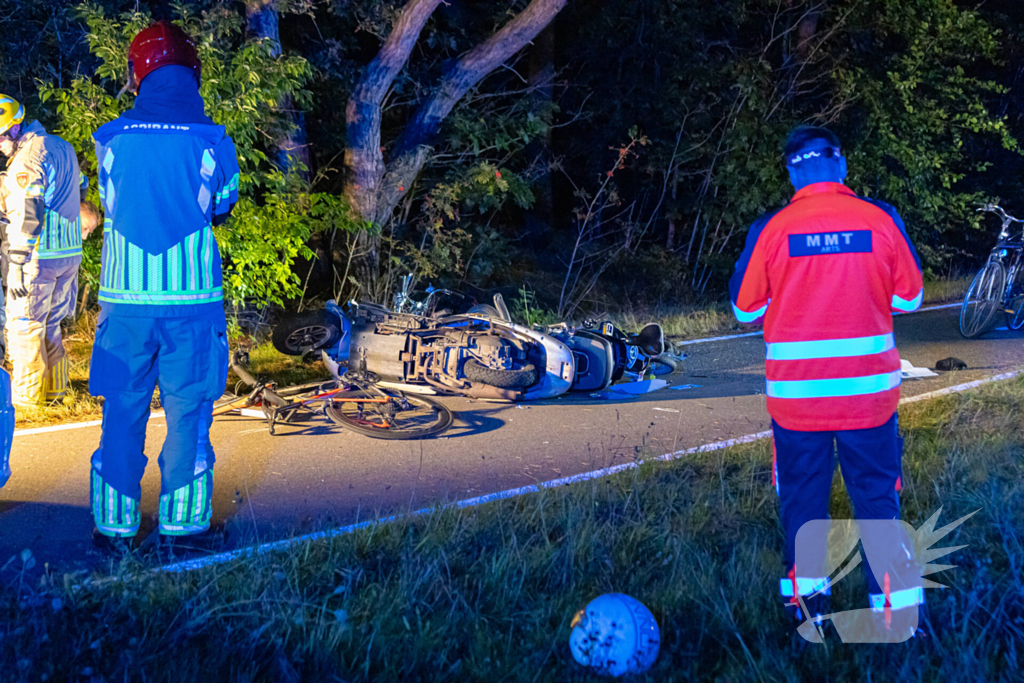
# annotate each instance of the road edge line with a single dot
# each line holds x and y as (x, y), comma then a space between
(250, 551)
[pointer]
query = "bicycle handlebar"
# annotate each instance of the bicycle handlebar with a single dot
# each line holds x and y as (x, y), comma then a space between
(999, 211)
(242, 373)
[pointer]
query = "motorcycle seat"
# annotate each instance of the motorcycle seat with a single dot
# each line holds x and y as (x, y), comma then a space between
(650, 340)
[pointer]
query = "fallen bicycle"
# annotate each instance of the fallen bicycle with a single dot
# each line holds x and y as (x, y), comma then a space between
(354, 400)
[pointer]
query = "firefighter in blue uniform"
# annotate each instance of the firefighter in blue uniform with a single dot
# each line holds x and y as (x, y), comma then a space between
(167, 175)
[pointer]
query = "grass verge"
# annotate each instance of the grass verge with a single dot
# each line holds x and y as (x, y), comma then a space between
(486, 594)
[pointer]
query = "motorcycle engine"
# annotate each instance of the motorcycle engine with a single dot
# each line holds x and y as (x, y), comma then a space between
(490, 351)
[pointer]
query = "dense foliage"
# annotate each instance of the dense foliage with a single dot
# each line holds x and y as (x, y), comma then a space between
(539, 182)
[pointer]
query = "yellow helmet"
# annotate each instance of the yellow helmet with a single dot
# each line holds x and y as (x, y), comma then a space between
(11, 113)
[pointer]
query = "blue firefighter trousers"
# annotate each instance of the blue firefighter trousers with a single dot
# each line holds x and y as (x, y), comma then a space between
(870, 460)
(188, 358)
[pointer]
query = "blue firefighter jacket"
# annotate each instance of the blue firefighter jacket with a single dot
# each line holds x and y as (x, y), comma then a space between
(164, 185)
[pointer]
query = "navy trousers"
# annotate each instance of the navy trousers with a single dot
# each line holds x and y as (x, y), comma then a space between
(188, 358)
(870, 460)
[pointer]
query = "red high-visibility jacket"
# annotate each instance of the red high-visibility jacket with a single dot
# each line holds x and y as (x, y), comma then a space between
(825, 273)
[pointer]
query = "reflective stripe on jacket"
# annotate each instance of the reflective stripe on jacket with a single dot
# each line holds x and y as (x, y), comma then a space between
(42, 195)
(163, 187)
(825, 274)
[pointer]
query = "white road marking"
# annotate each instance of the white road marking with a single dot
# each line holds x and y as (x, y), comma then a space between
(95, 423)
(73, 425)
(242, 553)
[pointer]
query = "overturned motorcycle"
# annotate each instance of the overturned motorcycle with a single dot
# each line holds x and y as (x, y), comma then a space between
(480, 353)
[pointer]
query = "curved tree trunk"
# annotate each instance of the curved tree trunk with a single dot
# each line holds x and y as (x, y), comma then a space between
(374, 188)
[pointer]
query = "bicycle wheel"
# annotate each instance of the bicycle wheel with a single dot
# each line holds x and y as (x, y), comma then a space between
(983, 300)
(387, 415)
(1014, 309)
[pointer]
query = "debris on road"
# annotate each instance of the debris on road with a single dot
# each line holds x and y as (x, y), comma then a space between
(644, 387)
(612, 395)
(685, 386)
(951, 363)
(908, 371)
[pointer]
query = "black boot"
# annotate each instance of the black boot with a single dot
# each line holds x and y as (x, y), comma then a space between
(174, 548)
(114, 546)
(817, 607)
(925, 629)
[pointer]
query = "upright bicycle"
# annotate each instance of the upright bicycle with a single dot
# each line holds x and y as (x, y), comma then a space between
(354, 401)
(999, 286)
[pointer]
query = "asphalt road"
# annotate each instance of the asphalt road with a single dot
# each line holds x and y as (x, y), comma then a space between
(314, 475)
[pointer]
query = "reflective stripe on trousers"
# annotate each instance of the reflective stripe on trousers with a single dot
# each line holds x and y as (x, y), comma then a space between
(908, 597)
(34, 342)
(187, 510)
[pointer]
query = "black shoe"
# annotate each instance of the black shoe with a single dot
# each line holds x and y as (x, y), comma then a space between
(175, 548)
(115, 546)
(814, 627)
(925, 629)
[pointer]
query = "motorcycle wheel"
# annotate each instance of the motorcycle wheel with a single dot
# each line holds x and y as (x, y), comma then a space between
(485, 309)
(503, 379)
(313, 330)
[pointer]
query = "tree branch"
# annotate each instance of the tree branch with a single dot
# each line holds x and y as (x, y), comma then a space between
(412, 149)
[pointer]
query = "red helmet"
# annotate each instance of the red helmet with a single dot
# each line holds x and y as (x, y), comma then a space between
(160, 45)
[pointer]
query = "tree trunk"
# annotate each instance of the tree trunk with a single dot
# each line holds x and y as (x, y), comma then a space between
(670, 239)
(262, 22)
(413, 146)
(373, 189)
(364, 155)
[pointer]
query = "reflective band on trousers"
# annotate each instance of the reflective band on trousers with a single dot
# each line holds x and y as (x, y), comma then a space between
(806, 586)
(834, 388)
(897, 599)
(831, 348)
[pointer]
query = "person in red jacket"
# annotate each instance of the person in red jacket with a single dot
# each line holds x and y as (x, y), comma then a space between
(825, 274)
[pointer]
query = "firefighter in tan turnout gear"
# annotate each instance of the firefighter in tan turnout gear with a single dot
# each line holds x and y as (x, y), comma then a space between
(41, 190)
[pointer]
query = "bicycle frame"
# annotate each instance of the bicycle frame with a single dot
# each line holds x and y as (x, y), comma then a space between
(1007, 250)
